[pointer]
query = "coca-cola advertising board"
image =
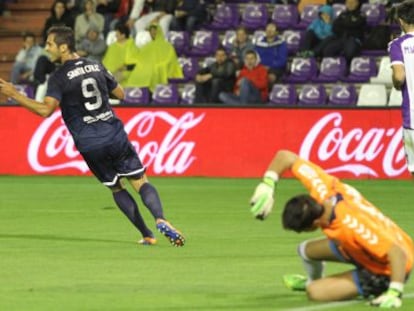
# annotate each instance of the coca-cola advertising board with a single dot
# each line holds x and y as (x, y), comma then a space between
(217, 142)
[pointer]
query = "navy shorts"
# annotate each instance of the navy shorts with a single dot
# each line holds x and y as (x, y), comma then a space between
(111, 162)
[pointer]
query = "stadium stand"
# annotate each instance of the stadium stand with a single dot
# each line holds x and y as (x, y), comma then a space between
(312, 95)
(283, 94)
(372, 95)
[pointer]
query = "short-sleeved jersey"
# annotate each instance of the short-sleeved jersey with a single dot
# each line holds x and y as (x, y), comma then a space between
(401, 52)
(362, 232)
(82, 87)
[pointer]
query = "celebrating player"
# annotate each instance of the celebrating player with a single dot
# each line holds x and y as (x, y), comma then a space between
(402, 60)
(356, 233)
(82, 88)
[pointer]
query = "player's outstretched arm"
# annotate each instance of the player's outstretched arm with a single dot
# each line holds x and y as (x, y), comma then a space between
(263, 197)
(392, 298)
(44, 109)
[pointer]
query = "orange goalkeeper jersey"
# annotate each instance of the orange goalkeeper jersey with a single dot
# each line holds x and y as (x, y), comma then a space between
(362, 232)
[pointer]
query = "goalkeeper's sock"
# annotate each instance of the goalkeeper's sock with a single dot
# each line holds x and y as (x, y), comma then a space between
(314, 268)
(129, 207)
(151, 199)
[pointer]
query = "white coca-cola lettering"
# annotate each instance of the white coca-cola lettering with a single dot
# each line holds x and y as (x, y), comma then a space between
(354, 147)
(53, 143)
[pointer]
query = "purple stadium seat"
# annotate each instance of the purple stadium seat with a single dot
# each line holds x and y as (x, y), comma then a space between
(190, 68)
(285, 16)
(258, 35)
(228, 39)
(188, 94)
(293, 40)
(24, 89)
(301, 70)
(375, 13)
(312, 95)
(362, 68)
(309, 13)
(203, 43)
(338, 8)
(283, 94)
(254, 16)
(180, 40)
(343, 95)
(332, 69)
(165, 94)
(225, 17)
(136, 96)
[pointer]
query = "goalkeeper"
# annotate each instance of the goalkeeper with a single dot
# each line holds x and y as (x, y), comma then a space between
(356, 232)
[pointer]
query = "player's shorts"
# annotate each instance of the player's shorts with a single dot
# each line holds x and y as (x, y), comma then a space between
(408, 140)
(111, 162)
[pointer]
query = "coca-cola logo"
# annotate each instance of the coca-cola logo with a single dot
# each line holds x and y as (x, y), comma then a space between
(51, 147)
(356, 148)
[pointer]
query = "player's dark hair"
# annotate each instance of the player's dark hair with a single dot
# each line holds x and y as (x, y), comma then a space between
(300, 212)
(405, 11)
(123, 29)
(63, 35)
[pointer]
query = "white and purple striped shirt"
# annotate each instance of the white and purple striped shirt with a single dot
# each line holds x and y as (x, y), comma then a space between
(401, 52)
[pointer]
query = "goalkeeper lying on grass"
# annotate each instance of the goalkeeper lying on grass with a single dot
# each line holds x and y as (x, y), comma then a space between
(356, 233)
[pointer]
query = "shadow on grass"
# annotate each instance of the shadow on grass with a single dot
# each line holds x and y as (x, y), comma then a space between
(49, 237)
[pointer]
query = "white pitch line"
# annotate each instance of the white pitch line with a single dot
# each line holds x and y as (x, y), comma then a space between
(331, 305)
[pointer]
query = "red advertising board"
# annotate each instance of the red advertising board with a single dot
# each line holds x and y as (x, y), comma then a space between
(219, 142)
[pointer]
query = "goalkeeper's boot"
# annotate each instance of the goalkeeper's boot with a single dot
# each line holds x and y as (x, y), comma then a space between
(295, 282)
(175, 237)
(149, 240)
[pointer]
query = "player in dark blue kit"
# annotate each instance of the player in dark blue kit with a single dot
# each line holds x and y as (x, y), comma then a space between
(82, 89)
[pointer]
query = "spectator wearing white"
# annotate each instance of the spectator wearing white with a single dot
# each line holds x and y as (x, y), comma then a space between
(22, 70)
(86, 19)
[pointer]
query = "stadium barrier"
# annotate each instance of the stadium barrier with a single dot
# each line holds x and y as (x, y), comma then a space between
(217, 142)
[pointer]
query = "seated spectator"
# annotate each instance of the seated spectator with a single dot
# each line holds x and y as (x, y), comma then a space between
(108, 9)
(155, 63)
(22, 70)
(188, 15)
(348, 33)
(93, 46)
(120, 56)
(273, 53)
(251, 85)
(240, 46)
(86, 19)
(156, 11)
(317, 31)
(74, 7)
(58, 16)
(218, 77)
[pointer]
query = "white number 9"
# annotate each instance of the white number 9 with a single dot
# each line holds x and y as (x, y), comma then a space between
(94, 93)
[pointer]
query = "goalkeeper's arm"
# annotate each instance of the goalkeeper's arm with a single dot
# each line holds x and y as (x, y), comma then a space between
(263, 197)
(392, 298)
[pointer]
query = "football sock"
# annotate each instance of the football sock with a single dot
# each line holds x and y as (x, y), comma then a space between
(151, 199)
(128, 206)
(313, 268)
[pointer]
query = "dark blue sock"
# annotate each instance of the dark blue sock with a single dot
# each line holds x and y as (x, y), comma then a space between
(128, 206)
(151, 199)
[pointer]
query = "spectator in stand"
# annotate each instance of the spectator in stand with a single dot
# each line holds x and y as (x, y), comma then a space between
(74, 7)
(251, 85)
(120, 57)
(155, 63)
(215, 78)
(188, 15)
(59, 16)
(273, 53)
(93, 46)
(240, 46)
(86, 19)
(317, 32)
(108, 9)
(348, 32)
(22, 70)
(155, 11)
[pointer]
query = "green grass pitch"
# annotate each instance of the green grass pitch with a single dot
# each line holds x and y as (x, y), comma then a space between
(65, 246)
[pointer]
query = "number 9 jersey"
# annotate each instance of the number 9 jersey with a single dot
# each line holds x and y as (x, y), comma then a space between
(82, 87)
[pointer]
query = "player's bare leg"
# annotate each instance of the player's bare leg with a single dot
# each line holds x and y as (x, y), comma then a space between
(151, 200)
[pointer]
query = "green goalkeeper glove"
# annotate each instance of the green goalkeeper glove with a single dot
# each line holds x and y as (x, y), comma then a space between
(392, 298)
(262, 199)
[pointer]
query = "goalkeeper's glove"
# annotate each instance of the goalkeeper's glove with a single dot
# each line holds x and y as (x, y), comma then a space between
(392, 298)
(262, 199)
